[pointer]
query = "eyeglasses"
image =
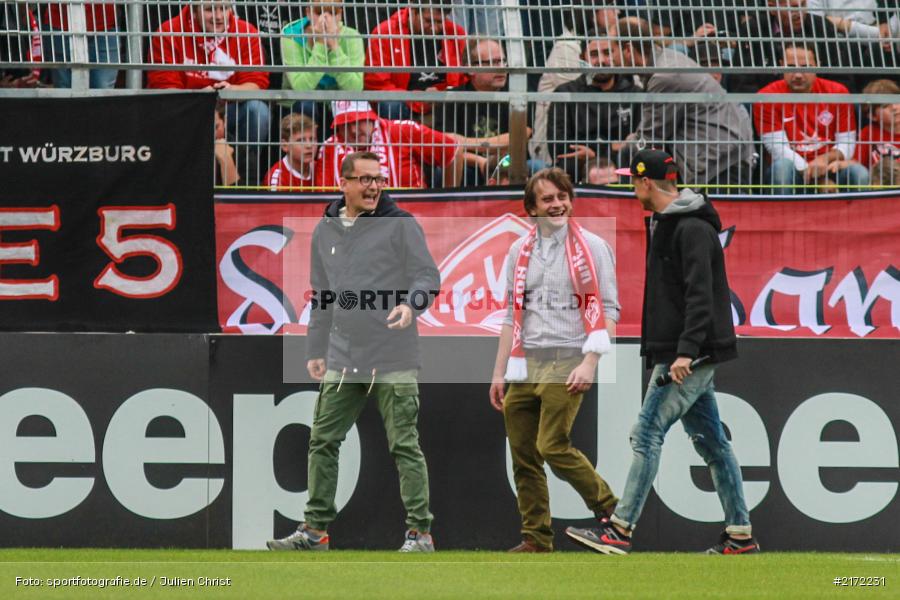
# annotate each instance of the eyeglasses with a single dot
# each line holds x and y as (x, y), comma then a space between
(367, 180)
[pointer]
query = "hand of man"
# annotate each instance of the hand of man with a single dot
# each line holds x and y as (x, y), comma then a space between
(316, 368)
(223, 149)
(497, 390)
(816, 169)
(317, 30)
(581, 378)
(680, 369)
(332, 30)
(400, 317)
(837, 165)
(331, 23)
(705, 30)
(579, 151)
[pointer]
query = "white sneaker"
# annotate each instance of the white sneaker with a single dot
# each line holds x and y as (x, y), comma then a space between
(417, 542)
(302, 539)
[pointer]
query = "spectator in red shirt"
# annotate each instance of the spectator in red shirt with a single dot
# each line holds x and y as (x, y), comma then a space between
(880, 139)
(404, 147)
(298, 142)
(103, 43)
(809, 144)
(418, 38)
(221, 39)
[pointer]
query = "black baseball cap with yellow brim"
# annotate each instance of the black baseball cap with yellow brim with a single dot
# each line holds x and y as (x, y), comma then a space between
(655, 164)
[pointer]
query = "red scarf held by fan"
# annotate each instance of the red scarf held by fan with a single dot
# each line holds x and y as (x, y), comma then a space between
(583, 275)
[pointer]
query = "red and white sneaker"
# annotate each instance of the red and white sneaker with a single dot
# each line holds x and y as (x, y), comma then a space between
(605, 539)
(729, 545)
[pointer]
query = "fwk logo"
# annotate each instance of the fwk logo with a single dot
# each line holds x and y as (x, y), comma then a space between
(473, 277)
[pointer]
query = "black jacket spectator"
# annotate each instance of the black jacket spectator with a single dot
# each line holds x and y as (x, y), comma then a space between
(683, 17)
(472, 119)
(593, 124)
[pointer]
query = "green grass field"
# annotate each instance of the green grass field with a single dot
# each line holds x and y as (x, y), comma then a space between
(469, 575)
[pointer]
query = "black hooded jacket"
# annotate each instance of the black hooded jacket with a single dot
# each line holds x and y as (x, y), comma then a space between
(687, 302)
(367, 268)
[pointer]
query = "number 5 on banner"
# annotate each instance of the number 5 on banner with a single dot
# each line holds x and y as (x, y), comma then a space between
(168, 260)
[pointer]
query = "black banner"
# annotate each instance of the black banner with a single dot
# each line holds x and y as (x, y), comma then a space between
(196, 441)
(107, 217)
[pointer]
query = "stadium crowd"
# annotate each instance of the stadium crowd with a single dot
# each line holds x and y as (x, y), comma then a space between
(739, 46)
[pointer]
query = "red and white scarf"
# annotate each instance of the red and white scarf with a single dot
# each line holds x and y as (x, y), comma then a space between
(586, 286)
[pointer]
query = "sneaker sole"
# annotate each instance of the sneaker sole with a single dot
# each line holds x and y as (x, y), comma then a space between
(418, 549)
(277, 546)
(601, 548)
(271, 545)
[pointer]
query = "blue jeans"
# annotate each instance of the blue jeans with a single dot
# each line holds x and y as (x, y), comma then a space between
(395, 110)
(306, 107)
(783, 175)
(248, 121)
(480, 17)
(694, 402)
(103, 48)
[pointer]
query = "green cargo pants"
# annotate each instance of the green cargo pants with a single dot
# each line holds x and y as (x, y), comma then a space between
(539, 416)
(337, 409)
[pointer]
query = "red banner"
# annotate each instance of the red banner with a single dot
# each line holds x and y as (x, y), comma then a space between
(799, 267)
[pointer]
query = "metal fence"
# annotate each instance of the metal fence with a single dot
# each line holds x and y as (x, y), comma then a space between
(577, 84)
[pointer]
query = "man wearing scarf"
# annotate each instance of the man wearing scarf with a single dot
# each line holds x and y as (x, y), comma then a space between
(563, 307)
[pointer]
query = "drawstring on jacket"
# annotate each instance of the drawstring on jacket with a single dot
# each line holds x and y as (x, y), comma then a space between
(372, 384)
(341, 382)
(344, 373)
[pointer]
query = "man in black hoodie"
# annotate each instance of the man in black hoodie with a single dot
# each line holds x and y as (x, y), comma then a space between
(686, 317)
(371, 274)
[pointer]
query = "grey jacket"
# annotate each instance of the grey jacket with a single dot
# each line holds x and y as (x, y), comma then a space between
(705, 139)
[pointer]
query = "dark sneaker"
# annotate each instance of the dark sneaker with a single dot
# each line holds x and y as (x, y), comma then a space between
(605, 539)
(302, 539)
(729, 545)
(416, 541)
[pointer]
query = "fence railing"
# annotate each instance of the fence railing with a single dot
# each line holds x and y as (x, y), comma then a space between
(577, 84)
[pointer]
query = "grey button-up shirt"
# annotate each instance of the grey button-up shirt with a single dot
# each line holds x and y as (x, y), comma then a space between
(552, 314)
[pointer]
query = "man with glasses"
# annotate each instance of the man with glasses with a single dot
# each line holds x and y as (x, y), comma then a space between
(487, 62)
(371, 258)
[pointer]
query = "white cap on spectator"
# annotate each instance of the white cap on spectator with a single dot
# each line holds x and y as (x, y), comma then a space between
(350, 111)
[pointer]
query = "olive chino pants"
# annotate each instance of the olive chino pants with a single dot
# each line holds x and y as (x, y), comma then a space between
(337, 409)
(539, 415)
